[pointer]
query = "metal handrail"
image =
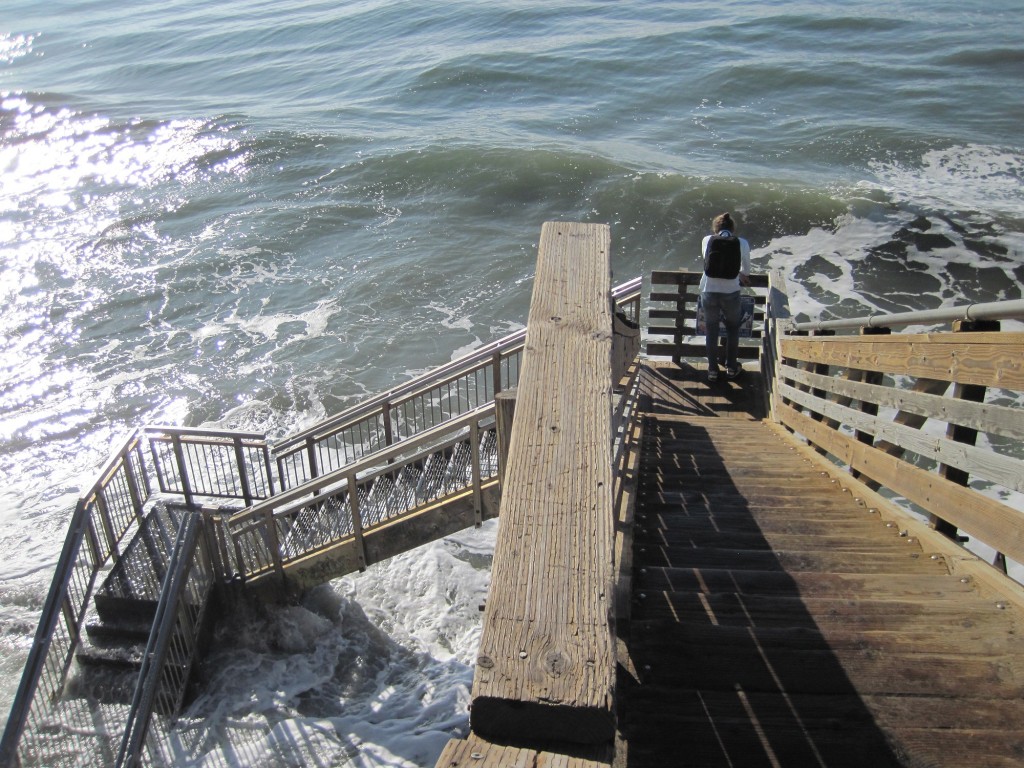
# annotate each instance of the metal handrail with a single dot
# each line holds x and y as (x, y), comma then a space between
(116, 502)
(993, 310)
(164, 624)
(104, 516)
(385, 419)
(382, 457)
(474, 359)
(242, 457)
(254, 533)
(44, 634)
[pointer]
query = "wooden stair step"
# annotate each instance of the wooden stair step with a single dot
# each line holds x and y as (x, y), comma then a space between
(972, 637)
(825, 562)
(749, 728)
(803, 525)
(785, 611)
(788, 542)
(826, 671)
(804, 584)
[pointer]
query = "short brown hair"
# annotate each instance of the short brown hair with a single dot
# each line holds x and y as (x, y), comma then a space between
(722, 221)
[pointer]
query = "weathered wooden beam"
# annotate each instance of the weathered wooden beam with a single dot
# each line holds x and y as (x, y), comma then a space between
(995, 523)
(474, 752)
(986, 359)
(546, 666)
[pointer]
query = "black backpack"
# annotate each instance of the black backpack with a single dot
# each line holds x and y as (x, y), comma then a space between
(722, 257)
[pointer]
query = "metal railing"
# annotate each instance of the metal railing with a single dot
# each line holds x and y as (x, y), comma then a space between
(44, 724)
(171, 651)
(211, 463)
(441, 394)
(101, 521)
(377, 490)
(993, 310)
(447, 415)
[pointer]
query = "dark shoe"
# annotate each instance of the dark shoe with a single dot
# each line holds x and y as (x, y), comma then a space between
(712, 376)
(732, 373)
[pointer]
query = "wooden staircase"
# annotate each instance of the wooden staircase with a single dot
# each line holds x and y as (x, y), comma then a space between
(777, 620)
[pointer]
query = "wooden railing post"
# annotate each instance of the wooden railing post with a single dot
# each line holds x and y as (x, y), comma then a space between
(243, 475)
(682, 293)
(504, 411)
(974, 393)
(357, 519)
(776, 316)
(868, 377)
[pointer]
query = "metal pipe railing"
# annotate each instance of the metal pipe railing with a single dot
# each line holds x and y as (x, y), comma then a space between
(165, 622)
(993, 310)
(417, 405)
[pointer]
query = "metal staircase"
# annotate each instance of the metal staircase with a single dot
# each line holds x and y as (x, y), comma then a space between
(178, 514)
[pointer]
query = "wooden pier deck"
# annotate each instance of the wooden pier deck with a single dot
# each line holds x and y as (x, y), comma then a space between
(781, 617)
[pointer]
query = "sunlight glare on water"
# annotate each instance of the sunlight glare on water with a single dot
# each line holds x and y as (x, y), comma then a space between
(251, 215)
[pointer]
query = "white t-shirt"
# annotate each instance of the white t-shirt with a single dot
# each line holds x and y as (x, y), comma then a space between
(722, 284)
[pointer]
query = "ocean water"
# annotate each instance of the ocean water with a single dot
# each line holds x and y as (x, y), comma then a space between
(252, 214)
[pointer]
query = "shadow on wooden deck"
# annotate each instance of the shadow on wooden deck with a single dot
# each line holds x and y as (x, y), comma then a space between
(683, 389)
(776, 621)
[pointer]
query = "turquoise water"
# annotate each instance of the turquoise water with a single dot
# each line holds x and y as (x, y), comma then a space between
(250, 214)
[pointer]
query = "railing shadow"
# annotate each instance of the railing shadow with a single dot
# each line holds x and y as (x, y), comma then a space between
(682, 390)
(732, 666)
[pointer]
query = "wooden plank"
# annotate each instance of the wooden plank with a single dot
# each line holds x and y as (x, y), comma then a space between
(822, 562)
(830, 615)
(961, 563)
(995, 523)
(546, 665)
(834, 585)
(474, 752)
(687, 277)
(822, 654)
(697, 351)
(984, 417)
(985, 359)
(935, 731)
(981, 463)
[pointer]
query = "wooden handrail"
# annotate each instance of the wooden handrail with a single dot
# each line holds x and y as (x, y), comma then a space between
(546, 665)
(901, 382)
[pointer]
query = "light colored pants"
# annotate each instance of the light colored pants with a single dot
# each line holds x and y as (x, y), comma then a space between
(724, 307)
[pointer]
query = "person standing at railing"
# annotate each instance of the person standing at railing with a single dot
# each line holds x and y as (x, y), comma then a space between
(726, 269)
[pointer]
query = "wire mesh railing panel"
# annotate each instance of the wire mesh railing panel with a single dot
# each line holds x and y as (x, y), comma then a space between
(398, 486)
(58, 728)
(83, 733)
